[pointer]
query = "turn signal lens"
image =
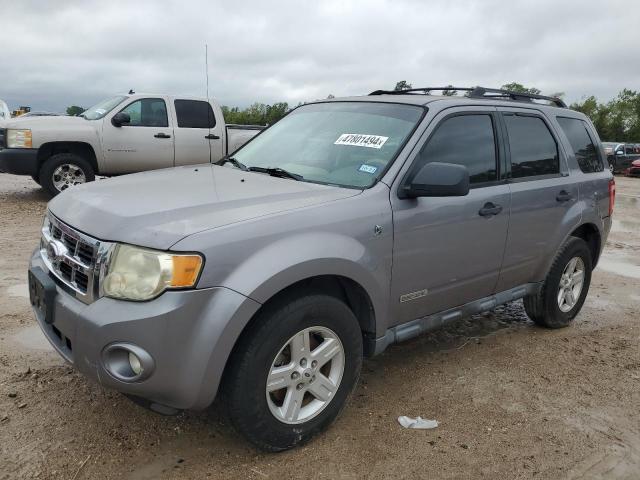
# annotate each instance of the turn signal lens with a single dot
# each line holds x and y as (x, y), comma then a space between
(185, 270)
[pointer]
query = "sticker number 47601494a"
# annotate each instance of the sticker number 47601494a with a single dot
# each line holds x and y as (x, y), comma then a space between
(358, 140)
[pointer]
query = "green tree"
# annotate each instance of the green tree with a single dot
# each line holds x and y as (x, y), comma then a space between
(402, 85)
(449, 92)
(75, 110)
(518, 87)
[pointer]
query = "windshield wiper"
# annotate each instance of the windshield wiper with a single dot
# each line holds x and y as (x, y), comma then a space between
(277, 172)
(232, 161)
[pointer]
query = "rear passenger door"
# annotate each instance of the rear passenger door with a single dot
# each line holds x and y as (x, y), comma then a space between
(542, 195)
(582, 143)
(198, 135)
(448, 250)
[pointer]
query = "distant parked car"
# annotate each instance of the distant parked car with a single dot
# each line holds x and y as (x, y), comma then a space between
(621, 155)
(634, 169)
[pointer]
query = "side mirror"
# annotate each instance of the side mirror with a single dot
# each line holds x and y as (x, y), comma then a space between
(120, 119)
(438, 180)
(620, 152)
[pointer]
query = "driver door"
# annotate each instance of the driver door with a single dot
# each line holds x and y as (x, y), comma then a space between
(448, 250)
(146, 143)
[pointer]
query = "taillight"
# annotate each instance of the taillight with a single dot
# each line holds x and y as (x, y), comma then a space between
(612, 195)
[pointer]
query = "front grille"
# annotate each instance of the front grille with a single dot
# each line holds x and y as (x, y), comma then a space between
(74, 259)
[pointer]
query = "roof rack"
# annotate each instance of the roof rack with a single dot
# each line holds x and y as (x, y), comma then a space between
(479, 92)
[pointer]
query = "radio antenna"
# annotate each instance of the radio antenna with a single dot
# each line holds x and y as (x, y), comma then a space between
(206, 66)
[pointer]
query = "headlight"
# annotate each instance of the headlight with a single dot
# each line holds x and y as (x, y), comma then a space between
(136, 273)
(18, 138)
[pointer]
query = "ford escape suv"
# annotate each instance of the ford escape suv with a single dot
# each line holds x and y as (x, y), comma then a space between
(349, 225)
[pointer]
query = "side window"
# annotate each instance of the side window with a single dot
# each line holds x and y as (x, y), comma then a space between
(147, 112)
(534, 151)
(194, 114)
(583, 145)
(464, 140)
(628, 149)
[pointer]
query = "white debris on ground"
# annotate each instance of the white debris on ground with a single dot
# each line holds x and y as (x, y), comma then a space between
(418, 423)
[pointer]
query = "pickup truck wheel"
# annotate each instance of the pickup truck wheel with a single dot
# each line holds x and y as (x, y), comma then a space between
(291, 375)
(65, 170)
(612, 166)
(565, 289)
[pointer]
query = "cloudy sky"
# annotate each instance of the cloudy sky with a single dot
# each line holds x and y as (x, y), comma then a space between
(55, 54)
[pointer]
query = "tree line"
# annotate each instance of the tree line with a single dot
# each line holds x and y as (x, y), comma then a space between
(617, 120)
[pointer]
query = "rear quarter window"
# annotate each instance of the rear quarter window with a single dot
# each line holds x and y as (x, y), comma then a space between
(584, 147)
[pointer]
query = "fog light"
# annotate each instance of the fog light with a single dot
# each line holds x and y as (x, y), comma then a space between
(127, 362)
(135, 364)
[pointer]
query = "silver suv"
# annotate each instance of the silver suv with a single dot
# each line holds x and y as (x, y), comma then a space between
(349, 225)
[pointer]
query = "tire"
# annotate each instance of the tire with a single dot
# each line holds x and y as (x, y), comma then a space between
(548, 307)
(252, 410)
(79, 171)
(612, 167)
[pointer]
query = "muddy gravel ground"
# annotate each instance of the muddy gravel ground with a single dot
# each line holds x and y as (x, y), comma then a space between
(513, 400)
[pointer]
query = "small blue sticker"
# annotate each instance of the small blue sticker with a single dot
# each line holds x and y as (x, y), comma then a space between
(367, 168)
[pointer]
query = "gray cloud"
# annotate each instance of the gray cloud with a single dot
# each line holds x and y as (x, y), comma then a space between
(76, 52)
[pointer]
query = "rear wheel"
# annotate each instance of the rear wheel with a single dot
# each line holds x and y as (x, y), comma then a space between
(565, 289)
(65, 170)
(290, 376)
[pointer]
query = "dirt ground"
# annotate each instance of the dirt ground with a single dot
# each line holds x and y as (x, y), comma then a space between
(513, 400)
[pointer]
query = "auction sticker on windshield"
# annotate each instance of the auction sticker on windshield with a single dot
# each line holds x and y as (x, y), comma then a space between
(358, 140)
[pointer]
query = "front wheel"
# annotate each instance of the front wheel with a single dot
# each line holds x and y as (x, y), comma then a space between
(291, 375)
(65, 170)
(565, 288)
(612, 167)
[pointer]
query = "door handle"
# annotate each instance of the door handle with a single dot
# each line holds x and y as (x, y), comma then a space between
(162, 135)
(490, 209)
(211, 136)
(564, 196)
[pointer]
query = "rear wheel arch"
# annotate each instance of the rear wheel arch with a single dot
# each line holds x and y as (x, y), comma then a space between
(591, 235)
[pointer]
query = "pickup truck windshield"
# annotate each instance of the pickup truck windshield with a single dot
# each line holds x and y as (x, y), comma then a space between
(99, 110)
(347, 144)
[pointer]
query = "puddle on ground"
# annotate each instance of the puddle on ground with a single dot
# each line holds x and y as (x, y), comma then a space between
(625, 226)
(32, 338)
(619, 267)
(628, 200)
(21, 290)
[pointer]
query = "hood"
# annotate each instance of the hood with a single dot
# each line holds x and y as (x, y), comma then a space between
(157, 209)
(44, 122)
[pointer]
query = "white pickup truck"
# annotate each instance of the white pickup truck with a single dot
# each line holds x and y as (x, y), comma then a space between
(123, 134)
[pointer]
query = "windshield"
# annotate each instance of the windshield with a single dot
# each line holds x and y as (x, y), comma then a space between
(346, 144)
(99, 110)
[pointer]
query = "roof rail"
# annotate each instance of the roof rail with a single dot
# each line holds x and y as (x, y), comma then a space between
(479, 92)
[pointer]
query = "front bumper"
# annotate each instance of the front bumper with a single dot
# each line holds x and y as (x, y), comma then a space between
(189, 334)
(19, 161)
(633, 172)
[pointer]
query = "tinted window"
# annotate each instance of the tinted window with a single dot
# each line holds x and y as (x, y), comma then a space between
(464, 140)
(583, 146)
(194, 114)
(533, 149)
(147, 112)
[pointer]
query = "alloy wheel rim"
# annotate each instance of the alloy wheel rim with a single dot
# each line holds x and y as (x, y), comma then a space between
(571, 283)
(305, 375)
(67, 175)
